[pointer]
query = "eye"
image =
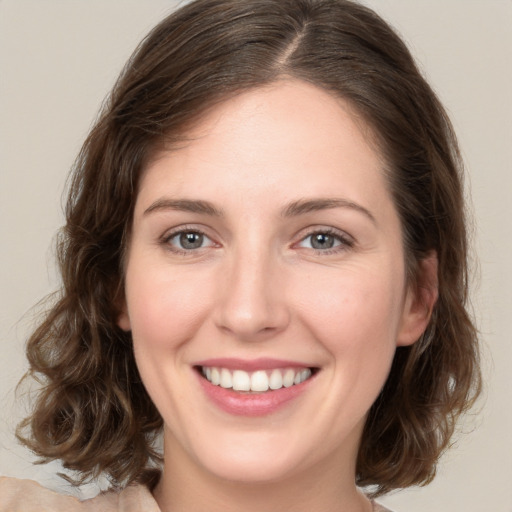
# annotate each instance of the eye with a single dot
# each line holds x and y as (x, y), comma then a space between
(190, 240)
(187, 240)
(325, 241)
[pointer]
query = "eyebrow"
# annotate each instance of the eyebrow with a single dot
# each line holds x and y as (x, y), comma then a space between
(304, 206)
(187, 205)
(295, 208)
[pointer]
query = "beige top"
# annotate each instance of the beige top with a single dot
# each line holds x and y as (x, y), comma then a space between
(28, 496)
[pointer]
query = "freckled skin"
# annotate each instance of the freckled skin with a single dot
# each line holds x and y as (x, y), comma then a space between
(257, 288)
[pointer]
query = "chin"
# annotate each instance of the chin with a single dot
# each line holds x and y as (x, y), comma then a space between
(262, 457)
(253, 470)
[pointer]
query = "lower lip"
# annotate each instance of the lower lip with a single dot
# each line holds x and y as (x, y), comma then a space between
(251, 404)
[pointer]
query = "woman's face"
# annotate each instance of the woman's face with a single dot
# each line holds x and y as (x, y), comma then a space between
(264, 251)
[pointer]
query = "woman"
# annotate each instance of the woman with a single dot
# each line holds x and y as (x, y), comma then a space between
(264, 256)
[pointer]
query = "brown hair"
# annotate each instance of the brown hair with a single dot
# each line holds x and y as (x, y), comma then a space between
(92, 411)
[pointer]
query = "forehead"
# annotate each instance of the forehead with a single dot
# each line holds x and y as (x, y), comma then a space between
(289, 135)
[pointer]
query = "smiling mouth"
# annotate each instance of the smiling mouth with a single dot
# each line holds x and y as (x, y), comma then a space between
(260, 381)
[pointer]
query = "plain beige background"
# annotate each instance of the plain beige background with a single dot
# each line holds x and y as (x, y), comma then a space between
(58, 59)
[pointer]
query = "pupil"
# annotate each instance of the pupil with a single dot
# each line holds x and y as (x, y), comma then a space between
(322, 241)
(191, 240)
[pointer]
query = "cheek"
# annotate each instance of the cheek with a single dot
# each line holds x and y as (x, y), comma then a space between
(165, 310)
(356, 317)
(353, 300)
(164, 307)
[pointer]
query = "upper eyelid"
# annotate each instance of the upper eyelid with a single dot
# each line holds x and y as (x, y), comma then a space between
(174, 234)
(171, 232)
(165, 240)
(346, 241)
(303, 234)
(312, 230)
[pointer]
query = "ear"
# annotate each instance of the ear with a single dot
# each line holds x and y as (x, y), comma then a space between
(123, 318)
(420, 300)
(123, 321)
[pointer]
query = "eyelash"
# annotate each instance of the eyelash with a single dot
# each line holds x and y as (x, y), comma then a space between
(344, 242)
(166, 240)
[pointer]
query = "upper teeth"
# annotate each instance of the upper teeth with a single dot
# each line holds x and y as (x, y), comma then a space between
(261, 380)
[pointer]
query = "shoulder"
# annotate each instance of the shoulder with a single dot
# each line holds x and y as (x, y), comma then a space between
(28, 496)
(379, 508)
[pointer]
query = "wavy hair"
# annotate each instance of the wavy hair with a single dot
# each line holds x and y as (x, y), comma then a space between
(92, 411)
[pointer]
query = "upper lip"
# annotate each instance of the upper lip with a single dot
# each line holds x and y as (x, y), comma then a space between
(250, 365)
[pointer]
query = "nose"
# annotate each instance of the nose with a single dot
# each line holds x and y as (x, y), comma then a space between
(253, 304)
